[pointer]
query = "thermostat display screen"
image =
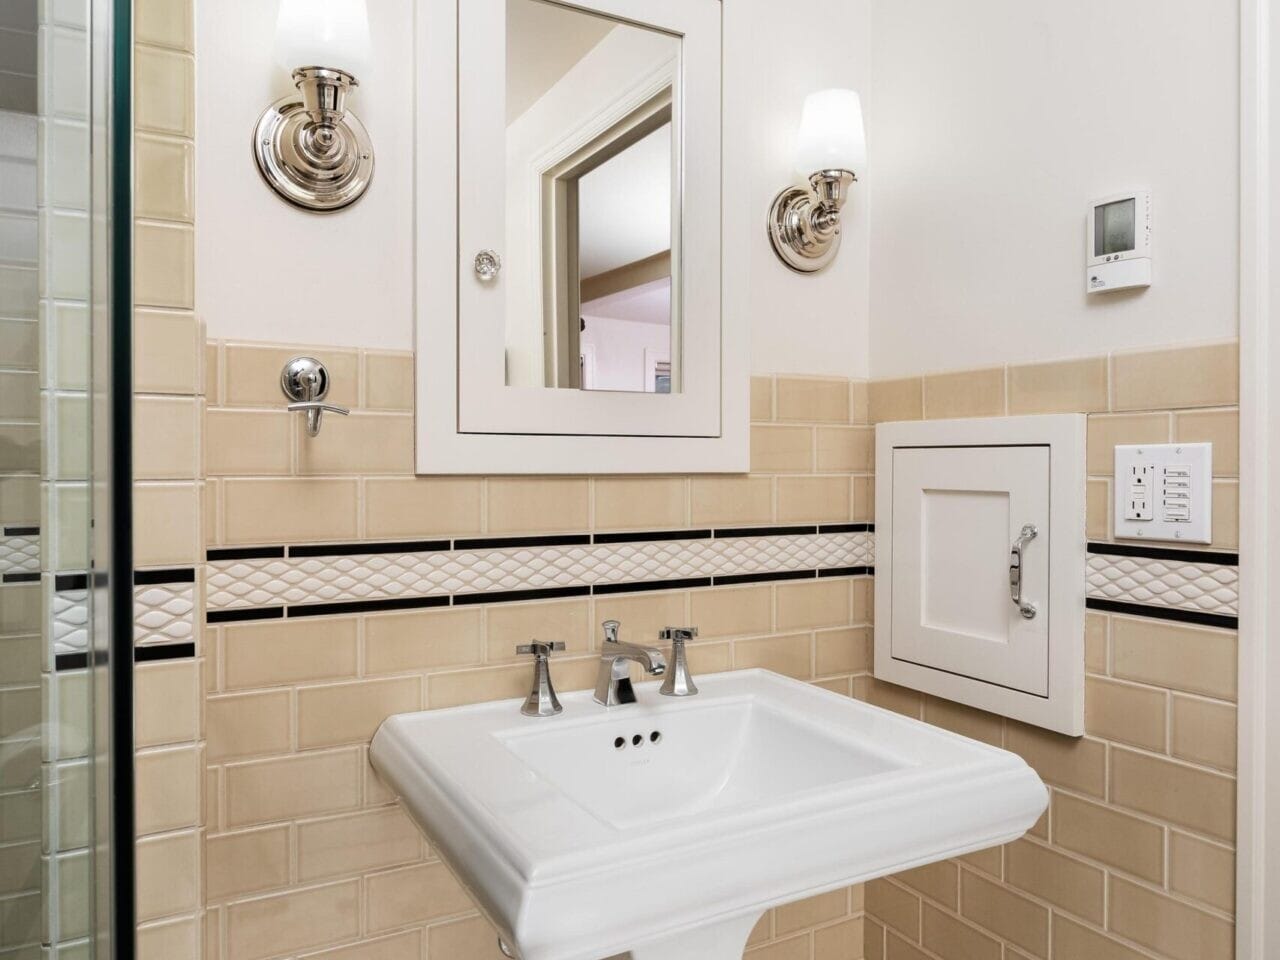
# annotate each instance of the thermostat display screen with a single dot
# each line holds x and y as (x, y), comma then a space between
(1115, 227)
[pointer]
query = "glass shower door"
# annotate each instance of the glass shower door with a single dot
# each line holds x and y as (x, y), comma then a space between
(56, 499)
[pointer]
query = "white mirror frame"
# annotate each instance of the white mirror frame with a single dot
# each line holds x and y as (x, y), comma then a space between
(618, 433)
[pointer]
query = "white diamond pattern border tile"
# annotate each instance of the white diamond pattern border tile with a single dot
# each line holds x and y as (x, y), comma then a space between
(263, 583)
(164, 613)
(1184, 584)
(19, 554)
(69, 621)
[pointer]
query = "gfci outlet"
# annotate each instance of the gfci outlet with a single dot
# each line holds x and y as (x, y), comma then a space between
(1164, 491)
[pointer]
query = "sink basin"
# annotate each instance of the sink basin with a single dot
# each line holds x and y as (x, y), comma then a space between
(668, 826)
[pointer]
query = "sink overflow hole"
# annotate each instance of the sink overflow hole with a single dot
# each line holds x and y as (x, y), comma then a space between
(655, 736)
(619, 743)
(637, 740)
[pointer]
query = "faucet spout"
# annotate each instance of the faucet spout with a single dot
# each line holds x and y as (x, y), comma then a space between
(613, 678)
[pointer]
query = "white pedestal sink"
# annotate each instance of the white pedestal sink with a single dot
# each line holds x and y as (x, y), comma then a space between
(668, 826)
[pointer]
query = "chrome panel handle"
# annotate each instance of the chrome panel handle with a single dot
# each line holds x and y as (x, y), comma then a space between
(1028, 533)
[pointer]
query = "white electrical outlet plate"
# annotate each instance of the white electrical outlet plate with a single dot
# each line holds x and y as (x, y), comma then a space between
(1164, 491)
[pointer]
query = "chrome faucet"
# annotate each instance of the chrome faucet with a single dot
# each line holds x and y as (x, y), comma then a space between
(613, 679)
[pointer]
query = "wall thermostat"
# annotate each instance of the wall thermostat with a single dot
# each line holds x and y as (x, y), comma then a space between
(1119, 244)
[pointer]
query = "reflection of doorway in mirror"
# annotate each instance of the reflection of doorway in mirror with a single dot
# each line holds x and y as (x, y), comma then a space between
(628, 334)
(624, 261)
(592, 196)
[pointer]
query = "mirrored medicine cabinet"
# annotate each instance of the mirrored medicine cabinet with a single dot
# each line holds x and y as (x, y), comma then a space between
(568, 210)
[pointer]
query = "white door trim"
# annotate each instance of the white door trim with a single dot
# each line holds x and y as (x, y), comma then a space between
(1258, 796)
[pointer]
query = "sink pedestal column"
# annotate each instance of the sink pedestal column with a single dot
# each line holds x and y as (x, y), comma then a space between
(724, 940)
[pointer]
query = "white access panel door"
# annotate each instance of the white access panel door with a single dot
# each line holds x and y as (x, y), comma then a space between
(957, 513)
(952, 499)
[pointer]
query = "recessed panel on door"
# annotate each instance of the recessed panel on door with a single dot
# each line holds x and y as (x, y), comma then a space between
(961, 601)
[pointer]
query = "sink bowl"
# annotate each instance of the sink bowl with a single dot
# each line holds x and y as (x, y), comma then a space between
(667, 827)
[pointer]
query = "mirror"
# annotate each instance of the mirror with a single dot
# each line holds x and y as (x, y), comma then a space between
(592, 201)
(568, 221)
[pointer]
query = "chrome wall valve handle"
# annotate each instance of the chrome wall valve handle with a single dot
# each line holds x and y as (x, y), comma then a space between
(678, 681)
(542, 700)
(305, 381)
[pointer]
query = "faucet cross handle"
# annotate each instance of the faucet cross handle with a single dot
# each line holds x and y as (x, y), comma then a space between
(539, 649)
(678, 634)
(678, 681)
(542, 700)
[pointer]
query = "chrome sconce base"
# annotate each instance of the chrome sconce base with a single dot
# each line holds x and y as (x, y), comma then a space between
(804, 225)
(312, 152)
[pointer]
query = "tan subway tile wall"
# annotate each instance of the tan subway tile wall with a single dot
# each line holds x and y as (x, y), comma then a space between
(1185, 393)
(169, 475)
(269, 483)
(297, 822)
(1135, 858)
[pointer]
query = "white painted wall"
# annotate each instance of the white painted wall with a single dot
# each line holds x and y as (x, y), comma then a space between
(266, 271)
(992, 123)
(617, 349)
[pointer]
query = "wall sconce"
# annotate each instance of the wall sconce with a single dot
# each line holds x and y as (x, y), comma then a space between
(313, 151)
(804, 223)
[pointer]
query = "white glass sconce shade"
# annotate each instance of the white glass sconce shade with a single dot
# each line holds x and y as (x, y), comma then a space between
(323, 33)
(831, 133)
(309, 148)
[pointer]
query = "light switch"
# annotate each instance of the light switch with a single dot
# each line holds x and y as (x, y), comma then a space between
(1164, 492)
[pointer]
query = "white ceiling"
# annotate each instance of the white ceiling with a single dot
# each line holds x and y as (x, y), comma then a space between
(648, 303)
(624, 206)
(543, 42)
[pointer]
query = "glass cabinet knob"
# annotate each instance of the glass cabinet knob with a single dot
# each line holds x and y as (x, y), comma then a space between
(487, 264)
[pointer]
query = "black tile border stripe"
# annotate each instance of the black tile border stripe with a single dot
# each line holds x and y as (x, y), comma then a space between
(847, 572)
(651, 536)
(297, 610)
(488, 543)
(21, 531)
(644, 586)
(164, 651)
(70, 661)
(244, 553)
(1164, 553)
(150, 653)
(237, 614)
(352, 549)
(26, 577)
(143, 578)
(775, 575)
(846, 528)
(803, 530)
(1174, 614)
(514, 596)
(70, 581)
